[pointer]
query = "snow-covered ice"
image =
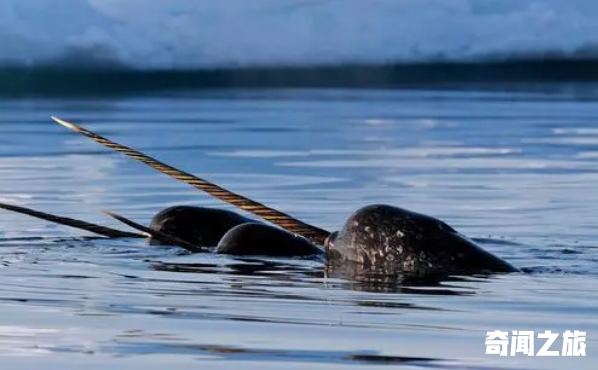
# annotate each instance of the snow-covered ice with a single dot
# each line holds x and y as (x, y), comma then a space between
(175, 34)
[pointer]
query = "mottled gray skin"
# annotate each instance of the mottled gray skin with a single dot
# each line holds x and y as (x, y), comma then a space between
(201, 226)
(395, 239)
(258, 239)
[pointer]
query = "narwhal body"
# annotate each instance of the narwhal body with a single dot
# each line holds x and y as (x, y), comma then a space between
(395, 239)
(258, 239)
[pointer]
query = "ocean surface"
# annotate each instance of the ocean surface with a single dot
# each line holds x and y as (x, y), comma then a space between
(514, 168)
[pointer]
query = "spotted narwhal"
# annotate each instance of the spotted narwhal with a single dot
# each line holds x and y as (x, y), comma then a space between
(377, 236)
(395, 239)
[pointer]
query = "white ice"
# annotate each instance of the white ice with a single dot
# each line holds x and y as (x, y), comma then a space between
(178, 34)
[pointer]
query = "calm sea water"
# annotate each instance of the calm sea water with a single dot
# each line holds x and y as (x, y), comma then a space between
(517, 169)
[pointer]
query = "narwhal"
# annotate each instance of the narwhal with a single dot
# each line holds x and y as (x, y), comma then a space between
(376, 236)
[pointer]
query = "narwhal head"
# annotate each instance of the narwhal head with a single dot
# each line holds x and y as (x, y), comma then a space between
(201, 226)
(396, 239)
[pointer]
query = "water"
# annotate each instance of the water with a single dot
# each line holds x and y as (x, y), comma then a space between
(515, 168)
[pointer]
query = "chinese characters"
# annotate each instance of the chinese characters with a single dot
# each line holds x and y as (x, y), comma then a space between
(498, 343)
